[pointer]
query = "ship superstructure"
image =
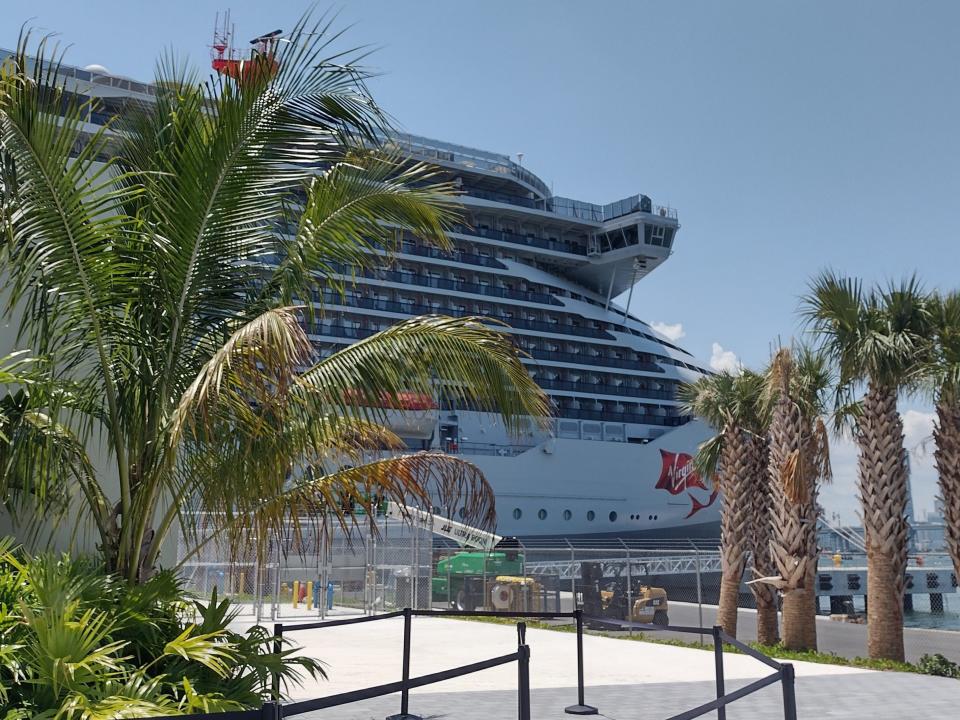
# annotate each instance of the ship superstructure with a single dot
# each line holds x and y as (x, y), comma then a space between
(616, 458)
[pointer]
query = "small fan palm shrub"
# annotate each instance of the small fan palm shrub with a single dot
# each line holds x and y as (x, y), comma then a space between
(76, 642)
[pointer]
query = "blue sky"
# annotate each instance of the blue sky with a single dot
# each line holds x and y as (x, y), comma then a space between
(791, 136)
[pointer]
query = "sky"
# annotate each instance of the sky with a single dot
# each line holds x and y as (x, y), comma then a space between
(791, 136)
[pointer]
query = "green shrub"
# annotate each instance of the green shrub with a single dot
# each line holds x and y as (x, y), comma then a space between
(938, 665)
(77, 642)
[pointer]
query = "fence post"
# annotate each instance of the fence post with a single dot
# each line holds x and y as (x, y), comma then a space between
(523, 677)
(581, 708)
(718, 662)
(277, 649)
(696, 552)
(789, 695)
(404, 713)
(271, 711)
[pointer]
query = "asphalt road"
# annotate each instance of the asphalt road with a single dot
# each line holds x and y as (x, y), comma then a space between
(845, 639)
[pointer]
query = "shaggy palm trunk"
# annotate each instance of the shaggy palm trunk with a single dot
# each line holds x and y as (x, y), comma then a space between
(736, 466)
(883, 493)
(946, 436)
(794, 533)
(764, 595)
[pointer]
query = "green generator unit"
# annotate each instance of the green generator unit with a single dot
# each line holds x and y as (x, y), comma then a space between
(458, 580)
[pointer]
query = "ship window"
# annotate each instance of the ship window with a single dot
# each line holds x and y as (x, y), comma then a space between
(567, 514)
(542, 514)
(591, 515)
(517, 513)
(613, 516)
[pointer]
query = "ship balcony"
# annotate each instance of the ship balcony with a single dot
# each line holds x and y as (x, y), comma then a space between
(530, 240)
(587, 359)
(624, 417)
(413, 308)
(603, 389)
(440, 283)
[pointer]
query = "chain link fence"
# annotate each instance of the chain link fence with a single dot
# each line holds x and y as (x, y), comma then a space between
(391, 565)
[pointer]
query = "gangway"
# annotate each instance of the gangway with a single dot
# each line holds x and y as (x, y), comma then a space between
(846, 534)
(635, 566)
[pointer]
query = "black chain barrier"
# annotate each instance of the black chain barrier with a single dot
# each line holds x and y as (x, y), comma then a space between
(276, 710)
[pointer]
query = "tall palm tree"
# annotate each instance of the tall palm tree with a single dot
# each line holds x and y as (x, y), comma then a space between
(169, 263)
(735, 458)
(877, 340)
(799, 460)
(945, 373)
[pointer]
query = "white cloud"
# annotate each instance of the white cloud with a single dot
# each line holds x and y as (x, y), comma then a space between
(672, 332)
(918, 432)
(724, 360)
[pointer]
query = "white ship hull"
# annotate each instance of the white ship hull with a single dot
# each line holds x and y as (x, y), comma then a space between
(581, 488)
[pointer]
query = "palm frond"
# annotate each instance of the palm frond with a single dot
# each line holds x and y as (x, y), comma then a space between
(465, 362)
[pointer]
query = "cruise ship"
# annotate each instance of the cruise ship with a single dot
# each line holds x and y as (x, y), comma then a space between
(616, 459)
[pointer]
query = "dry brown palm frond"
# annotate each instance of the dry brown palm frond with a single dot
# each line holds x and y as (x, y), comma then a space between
(778, 375)
(821, 442)
(793, 477)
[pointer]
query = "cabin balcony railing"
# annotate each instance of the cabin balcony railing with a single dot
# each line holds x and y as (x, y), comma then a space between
(517, 239)
(445, 284)
(333, 298)
(585, 359)
(602, 389)
(637, 418)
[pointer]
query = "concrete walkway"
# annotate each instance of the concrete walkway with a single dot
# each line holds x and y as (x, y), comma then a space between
(625, 679)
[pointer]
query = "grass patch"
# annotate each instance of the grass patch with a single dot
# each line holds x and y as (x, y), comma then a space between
(774, 651)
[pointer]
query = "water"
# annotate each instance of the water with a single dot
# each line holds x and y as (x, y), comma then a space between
(921, 617)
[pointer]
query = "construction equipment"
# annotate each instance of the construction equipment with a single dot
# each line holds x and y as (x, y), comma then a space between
(608, 597)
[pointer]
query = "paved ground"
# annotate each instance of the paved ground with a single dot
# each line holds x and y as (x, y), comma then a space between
(845, 639)
(627, 680)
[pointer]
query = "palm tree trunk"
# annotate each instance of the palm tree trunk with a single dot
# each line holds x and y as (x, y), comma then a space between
(883, 493)
(946, 436)
(729, 602)
(764, 595)
(794, 533)
(736, 466)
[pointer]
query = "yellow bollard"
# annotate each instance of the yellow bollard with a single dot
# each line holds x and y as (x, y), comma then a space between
(837, 560)
(296, 593)
(309, 594)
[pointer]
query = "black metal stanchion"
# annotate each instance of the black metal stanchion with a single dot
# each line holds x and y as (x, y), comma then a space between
(789, 694)
(523, 673)
(277, 649)
(581, 708)
(718, 663)
(404, 713)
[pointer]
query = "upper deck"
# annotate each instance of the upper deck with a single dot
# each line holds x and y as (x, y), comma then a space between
(606, 248)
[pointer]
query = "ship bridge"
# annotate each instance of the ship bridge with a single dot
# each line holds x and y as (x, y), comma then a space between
(607, 248)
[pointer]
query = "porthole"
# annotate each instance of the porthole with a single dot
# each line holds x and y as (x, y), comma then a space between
(542, 514)
(649, 517)
(613, 516)
(462, 513)
(567, 514)
(591, 515)
(655, 517)
(517, 513)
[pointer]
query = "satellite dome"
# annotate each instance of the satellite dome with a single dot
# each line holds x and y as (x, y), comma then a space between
(97, 69)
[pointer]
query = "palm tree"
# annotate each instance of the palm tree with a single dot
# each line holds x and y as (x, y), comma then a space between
(799, 460)
(735, 457)
(945, 373)
(169, 264)
(876, 340)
